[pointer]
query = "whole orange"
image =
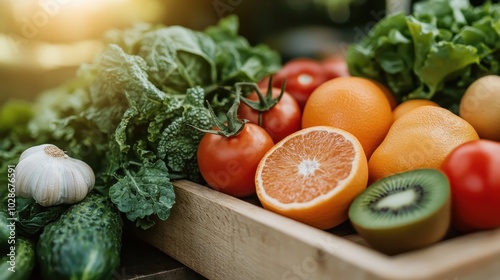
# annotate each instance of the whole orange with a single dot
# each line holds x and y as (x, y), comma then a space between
(421, 138)
(409, 105)
(393, 102)
(354, 104)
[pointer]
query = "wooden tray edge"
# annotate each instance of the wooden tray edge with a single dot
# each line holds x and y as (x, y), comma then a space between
(202, 213)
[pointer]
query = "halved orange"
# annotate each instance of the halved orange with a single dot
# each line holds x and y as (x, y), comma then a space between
(313, 175)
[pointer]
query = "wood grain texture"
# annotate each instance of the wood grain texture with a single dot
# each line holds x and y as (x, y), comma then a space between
(222, 237)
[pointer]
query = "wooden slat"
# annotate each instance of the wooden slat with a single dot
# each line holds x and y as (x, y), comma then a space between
(222, 237)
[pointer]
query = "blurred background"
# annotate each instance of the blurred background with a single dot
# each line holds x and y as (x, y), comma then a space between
(42, 42)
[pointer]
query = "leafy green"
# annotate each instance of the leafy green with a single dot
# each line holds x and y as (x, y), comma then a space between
(14, 116)
(144, 193)
(14, 113)
(32, 217)
(434, 53)
(131, 113)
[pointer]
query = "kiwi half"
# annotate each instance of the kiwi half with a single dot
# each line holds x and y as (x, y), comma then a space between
(403, 212)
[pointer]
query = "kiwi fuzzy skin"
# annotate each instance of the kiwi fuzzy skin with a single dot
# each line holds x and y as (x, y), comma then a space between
(409, 237)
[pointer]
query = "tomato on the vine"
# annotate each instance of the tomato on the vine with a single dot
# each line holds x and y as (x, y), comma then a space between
(228, 164)
(472, 169)
(279, 119)
(303, 76)
(228, 154)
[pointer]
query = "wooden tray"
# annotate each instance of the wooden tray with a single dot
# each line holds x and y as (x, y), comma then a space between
(222, 237)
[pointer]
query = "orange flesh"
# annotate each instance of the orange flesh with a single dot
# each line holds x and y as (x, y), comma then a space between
(318, 172)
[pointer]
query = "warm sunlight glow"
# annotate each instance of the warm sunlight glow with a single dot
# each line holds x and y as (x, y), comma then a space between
(57, 33)
(52, 5)
(73, 20)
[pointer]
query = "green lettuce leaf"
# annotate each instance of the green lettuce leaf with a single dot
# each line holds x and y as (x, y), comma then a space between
(179, 58)
(434, 53)
(234, 57)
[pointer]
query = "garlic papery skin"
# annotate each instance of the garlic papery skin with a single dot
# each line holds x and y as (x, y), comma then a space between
(51, 177)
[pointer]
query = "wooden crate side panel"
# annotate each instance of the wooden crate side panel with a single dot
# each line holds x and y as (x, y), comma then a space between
(232, 239)
(465, 257)
(222, 237)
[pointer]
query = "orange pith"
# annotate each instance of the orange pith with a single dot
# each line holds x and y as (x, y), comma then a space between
(313, 175)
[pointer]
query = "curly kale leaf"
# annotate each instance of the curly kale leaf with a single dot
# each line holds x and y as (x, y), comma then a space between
(144, 194)
(176, 144)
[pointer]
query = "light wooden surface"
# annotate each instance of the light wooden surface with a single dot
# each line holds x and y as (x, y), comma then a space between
(222, 237)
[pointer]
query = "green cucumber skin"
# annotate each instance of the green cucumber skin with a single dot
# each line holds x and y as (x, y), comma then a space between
(24, 263)
(4, 231)
(84, 243)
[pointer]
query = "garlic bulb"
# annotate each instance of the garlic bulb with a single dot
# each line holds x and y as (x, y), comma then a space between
(51, 177)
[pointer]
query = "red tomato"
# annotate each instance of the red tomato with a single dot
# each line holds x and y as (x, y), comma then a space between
(281, 120)
(303, 75)
(473, 171)
(335, 66)
(228, 164)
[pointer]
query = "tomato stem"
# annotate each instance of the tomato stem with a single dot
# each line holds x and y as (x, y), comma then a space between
(234, 125)
(264, 103)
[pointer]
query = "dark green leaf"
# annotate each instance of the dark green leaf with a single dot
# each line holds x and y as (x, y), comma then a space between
(144, 194)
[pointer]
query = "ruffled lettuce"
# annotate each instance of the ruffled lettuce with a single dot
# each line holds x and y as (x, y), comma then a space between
(434, 53)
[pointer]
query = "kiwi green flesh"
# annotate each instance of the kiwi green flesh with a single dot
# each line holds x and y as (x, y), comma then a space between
(415, 214)
(418, 235)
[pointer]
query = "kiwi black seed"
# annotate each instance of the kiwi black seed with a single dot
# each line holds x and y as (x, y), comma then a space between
(403, 212)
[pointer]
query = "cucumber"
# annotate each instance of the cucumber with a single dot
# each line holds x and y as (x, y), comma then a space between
(4, 232)
(84, 243)
(21, 264)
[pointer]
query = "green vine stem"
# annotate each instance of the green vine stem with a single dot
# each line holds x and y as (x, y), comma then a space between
(265, 102)
(234, 125)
